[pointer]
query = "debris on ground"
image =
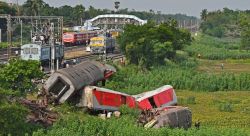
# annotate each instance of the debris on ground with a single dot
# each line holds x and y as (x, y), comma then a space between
(173, 117)
(39, 114)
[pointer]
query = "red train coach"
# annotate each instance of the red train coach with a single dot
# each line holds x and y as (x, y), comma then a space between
(97, 98)
(161, 98)
(76, 38)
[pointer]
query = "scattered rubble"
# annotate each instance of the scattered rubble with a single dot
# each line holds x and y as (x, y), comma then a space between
(39, 113)
(173, 117)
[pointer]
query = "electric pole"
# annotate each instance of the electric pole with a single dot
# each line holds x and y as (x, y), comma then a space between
(0, 35)
(9, 41)
(52, 43)
(21, 22)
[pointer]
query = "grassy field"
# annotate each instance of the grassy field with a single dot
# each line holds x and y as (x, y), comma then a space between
(233, 66)
(218, 109)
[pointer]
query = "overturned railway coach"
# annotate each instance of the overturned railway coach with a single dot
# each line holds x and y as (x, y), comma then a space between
(97, 98)
(161, 98)
(68, 81)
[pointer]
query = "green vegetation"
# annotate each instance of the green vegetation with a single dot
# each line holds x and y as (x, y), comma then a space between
(219, 109)
(221, 23)
(12, 116)
(18, 75)
(125, 126)
(131, 80)
(227, 23)
(216, 49)
(136, 42)
(245, 33)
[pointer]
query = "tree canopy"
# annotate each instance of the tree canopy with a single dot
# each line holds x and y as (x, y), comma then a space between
(222, 23)
(245, 33)
(150, 44)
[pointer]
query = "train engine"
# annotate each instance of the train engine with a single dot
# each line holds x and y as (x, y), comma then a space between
(77, 38)
(102, 45)
(41, 53)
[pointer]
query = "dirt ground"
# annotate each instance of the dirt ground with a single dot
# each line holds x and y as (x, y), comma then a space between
(74, 54)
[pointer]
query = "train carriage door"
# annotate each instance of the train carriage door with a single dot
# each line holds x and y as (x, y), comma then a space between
(123, 100)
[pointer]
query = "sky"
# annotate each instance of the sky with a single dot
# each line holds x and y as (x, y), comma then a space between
(188, 7)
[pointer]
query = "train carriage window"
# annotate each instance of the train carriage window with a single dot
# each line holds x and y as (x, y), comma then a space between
(34, 50)
(26, 51)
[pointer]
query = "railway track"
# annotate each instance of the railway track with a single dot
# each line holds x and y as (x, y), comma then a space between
(74, 48)
(4, 54)
(109, 57)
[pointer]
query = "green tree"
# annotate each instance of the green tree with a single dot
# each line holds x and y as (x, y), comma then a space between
(245, 33)
(78, 13)
(18, 75)
(149, 44)
(33, 7)
(6, 9)
(204, 14)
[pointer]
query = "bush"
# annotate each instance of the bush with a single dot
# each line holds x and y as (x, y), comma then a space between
(125, 110)
(226, 107)
(191, 100)
(17, 75)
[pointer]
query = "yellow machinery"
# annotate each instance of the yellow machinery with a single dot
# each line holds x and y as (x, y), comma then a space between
(115, 34)
(100, 45)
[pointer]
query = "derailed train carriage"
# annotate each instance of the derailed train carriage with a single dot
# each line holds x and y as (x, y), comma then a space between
(66, 82)
(159, 98)
(96, 98)
(41, 52)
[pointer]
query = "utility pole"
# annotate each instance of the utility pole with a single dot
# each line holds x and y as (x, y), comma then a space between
(9, 41)
(52, 43)
(0, 35)
(21, 22)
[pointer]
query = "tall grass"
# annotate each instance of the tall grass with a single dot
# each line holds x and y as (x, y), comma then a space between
(131, 80)
(124, 126)
(216, 49)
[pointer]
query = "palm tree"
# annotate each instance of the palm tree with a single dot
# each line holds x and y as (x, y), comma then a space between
(34, 6)
(204, 14)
